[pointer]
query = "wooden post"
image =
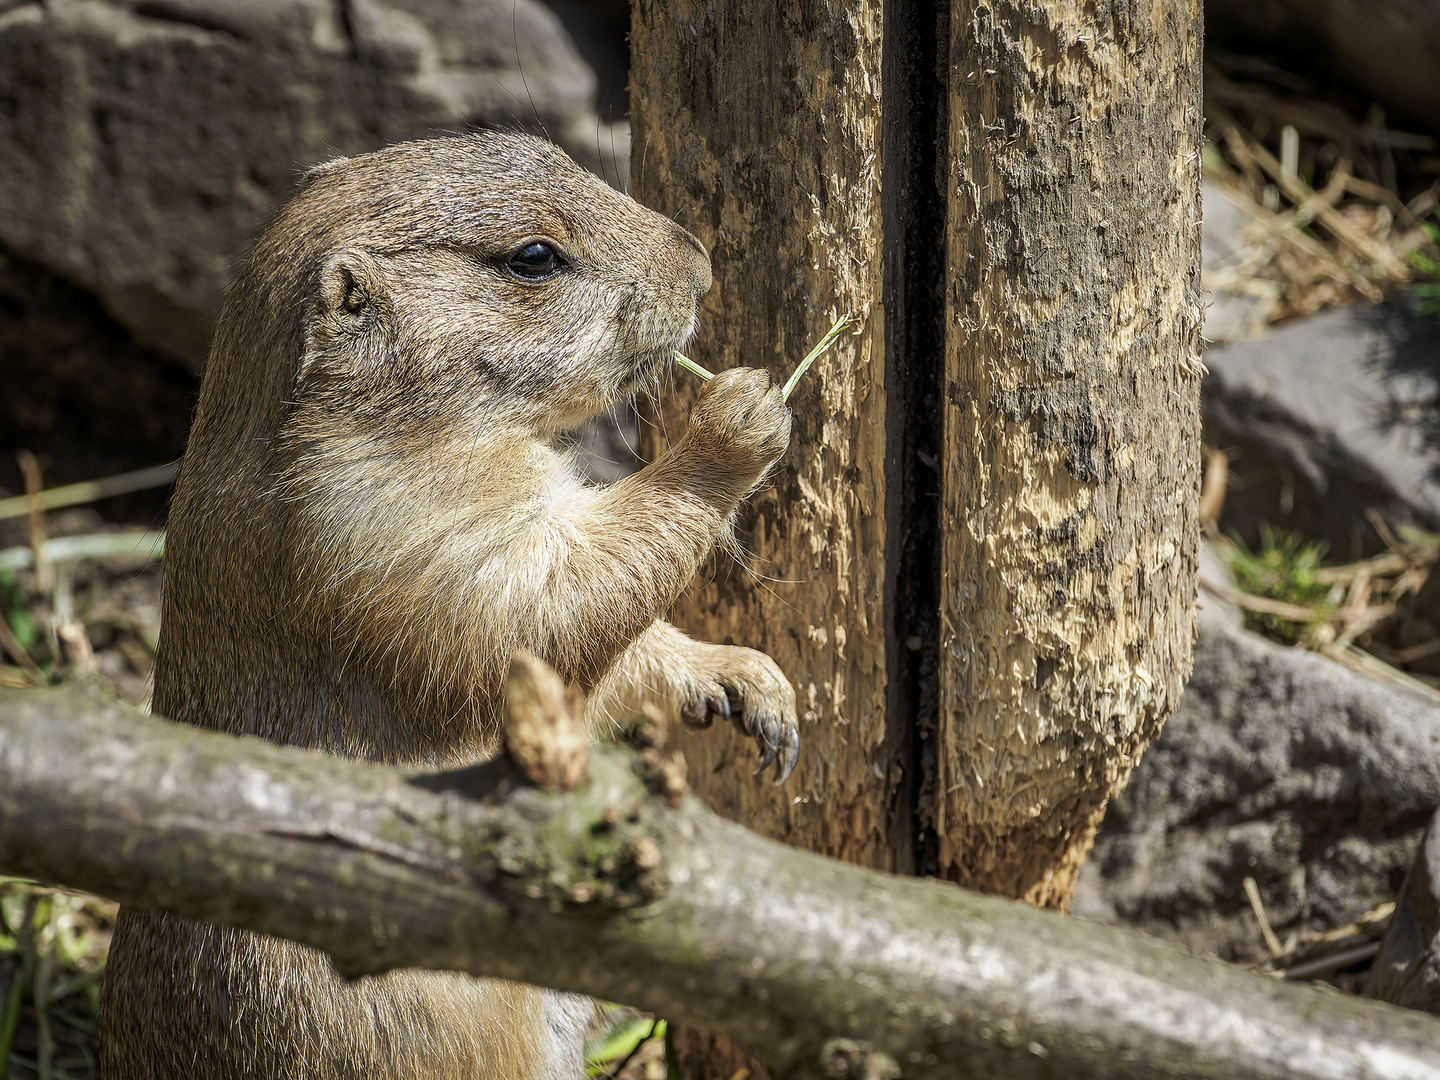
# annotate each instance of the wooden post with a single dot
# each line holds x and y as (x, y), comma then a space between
(757, 127)
(1072, 427)
(978, 560)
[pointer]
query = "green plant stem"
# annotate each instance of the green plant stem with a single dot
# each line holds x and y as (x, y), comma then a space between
(623, 1038)
(672, 1060)
(40, 995)
(804, 366)
(654, 1027)
(11, 1018)
(690, 365)
(813, 355)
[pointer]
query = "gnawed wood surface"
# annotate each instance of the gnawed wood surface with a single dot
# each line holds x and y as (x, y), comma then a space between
(757, 127)
(1071, 422)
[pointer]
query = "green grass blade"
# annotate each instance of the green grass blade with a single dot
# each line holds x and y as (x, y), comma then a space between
(9, 1022)
(672, 1060)
(10, 1018)
(813, 355)
(690, 365)
(790, 384)
(621, 1042)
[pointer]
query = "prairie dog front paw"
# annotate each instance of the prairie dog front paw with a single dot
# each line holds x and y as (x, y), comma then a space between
(739, 426)
(747, 688)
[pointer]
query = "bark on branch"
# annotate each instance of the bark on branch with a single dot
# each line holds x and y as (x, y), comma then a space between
(611, 891)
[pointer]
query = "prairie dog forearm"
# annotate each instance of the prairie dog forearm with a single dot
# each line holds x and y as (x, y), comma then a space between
(570, 572)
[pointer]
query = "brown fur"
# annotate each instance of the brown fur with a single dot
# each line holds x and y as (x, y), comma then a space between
(373, 515)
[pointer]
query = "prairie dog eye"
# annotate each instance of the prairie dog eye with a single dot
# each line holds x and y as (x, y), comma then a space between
(535, 260)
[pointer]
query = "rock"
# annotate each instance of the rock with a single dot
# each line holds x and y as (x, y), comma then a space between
(1281, 765)
(1390, 48)
(1407, 970)
(1229, 316)
(1328, 417)
(606, 445)
(1217, 584)
(143, 141)
(601, 29)
(82, 395)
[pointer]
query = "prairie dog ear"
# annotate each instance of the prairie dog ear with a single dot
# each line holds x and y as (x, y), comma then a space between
(323, 168)
(351, 284)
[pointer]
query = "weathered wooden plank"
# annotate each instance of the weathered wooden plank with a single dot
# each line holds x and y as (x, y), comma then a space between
(1071, 422)
(757, 126)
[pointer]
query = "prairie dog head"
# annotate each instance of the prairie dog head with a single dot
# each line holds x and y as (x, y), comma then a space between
(474, 279)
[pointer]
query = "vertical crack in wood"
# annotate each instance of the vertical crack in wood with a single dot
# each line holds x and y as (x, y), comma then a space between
(914, 140)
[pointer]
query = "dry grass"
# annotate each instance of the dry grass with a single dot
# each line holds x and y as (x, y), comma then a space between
(1340, 958)
(1379, 616)
(1335, 201)
(75, 595)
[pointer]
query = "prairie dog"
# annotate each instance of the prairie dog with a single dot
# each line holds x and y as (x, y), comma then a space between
(373, 514)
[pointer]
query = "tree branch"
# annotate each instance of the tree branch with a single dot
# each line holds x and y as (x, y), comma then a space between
(610, 890)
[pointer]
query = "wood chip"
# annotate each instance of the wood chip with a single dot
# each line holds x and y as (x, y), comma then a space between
(544, 722)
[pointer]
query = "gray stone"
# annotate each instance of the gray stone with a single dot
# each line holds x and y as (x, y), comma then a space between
(1279, 765)
(1328, 417)
(607, 444)
(1229, 316)
(1407, 970)
(1391, 48)
(82, 395)
(143, 141)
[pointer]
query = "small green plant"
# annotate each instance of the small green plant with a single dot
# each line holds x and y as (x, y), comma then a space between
(53, 944)
(1427, 293)
(13, 611)
(1283, 569)
(608, 1055)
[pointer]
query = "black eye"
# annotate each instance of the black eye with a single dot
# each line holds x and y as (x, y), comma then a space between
(535, 260)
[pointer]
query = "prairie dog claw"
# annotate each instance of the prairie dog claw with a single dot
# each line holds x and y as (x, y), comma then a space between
(697, 683)
(701, 712)
(776, 735)
(748, 689)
